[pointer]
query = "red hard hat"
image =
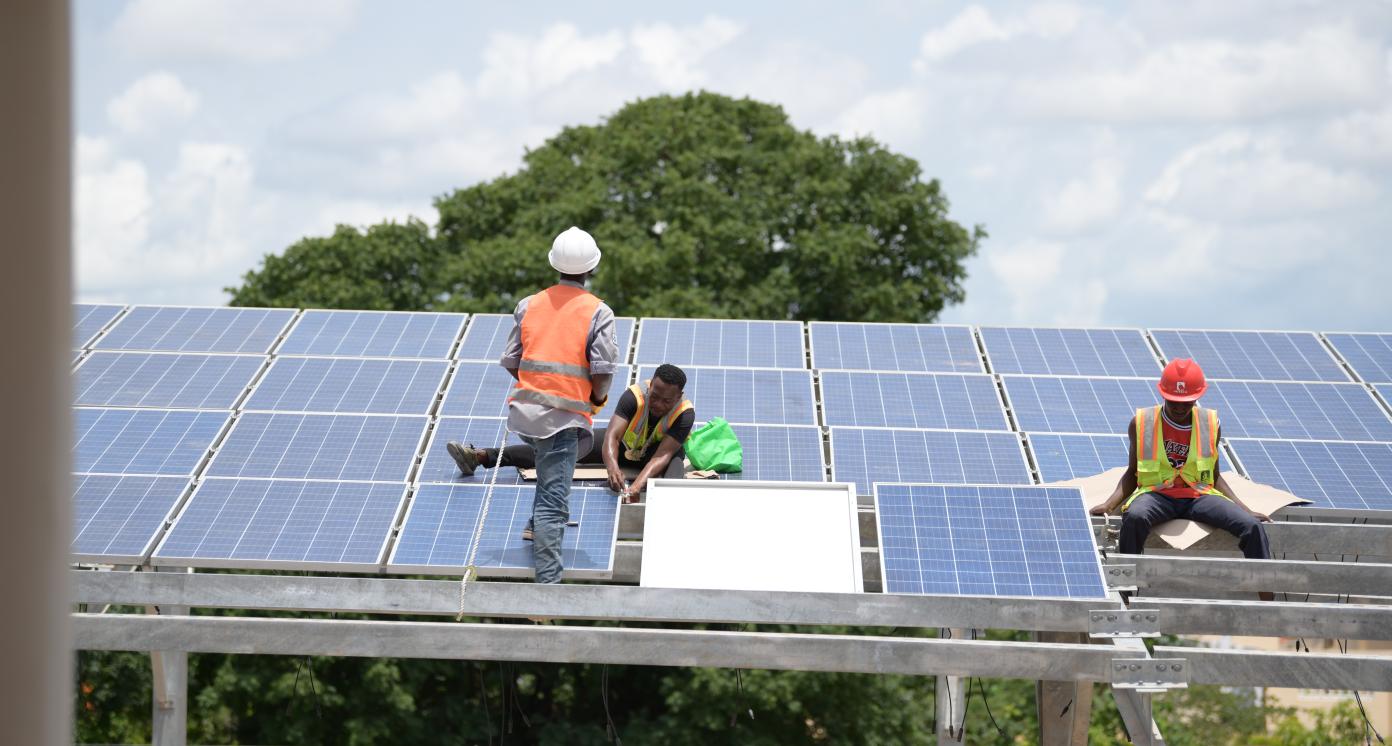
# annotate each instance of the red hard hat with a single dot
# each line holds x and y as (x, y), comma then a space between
(1183, 380)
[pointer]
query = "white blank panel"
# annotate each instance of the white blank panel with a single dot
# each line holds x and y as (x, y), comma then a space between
(751, 536)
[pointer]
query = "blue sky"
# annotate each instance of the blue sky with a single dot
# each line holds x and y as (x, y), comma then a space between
(1190, 164)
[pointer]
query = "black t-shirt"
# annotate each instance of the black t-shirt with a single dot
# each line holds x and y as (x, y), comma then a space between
(628, 407)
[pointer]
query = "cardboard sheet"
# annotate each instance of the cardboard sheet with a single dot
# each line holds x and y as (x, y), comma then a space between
(1184, 534)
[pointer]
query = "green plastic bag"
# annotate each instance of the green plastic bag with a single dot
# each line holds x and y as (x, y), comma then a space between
(715, 447)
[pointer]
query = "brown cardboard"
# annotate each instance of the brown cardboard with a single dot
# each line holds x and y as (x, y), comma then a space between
(583, 472)
(1182, 534)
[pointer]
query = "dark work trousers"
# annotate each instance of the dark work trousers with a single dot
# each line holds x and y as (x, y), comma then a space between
(524, 457)
(1152, 509)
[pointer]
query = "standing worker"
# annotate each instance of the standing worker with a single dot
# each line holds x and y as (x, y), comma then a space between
(1173, 470)
(563, 351)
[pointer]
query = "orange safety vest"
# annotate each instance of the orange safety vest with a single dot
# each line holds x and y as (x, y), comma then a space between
(555, 367)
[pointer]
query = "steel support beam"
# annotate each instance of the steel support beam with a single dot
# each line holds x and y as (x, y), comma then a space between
(1293, 670)
(951, 699)
(169, 683)
(1268, 619)
(611, 645)
(1134, 706)
(1064, 707)
(1190, 576)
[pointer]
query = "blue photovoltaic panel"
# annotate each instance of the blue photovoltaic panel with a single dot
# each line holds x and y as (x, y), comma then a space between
(1370, 355)
(1069, 352)
(1063, 457)
(1078, 405)
(750, 395)
(1345, 476)
(482, 389)
(1297, 411)
(117, 517)
(155, 379)
(373, 334)
(441, 522)
(779, 453)
(347, 447)
(940, 401)
(929, 348)
(143, 441)
(987, 541)
(1385, 391)
(1261, 356)
(487, 336)
(90, 318)
(256, 522)
(721, 343)
(323, 384)
(865, 456)
(482, 432)
(177, 329)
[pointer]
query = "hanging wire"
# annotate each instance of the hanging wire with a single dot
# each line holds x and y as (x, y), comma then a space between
(487, 711)
(610, 730)
(987, 701)
(319, 713)
(744, 699)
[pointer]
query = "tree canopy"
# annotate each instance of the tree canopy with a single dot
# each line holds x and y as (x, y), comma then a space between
(703, 205)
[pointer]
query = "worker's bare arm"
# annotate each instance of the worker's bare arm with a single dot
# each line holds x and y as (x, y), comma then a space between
(599, 387)
(656, 465)
(609, 452)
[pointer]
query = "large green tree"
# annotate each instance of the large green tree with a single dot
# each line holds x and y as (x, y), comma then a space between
(703, 205)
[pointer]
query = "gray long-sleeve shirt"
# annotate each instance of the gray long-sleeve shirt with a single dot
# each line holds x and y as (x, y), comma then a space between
(602, 349)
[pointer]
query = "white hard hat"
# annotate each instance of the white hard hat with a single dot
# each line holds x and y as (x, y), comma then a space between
(574, 252)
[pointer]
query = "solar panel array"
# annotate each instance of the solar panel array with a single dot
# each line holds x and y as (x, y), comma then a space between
(278, 438)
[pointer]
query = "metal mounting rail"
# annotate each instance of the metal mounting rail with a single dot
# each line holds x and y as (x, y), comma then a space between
(1193, 575)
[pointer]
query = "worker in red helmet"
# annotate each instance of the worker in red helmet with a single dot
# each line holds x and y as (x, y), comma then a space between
(1173, 469)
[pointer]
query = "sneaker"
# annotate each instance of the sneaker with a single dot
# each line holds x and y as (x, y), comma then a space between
(464, 456)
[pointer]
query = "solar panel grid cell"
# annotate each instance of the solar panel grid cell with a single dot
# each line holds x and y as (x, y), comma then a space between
(1370, 355)
(349, 385)
(777, 453)
(755, 396)
(342, 447)
(1259, 356)
(373, 334)
(1064, 457)
(722, 343)
(1082, 352)
(481, 390)
(1337, 475)
(1101, 406)
(89, 319)
(116, 518)
(928, 348)
(912, 400)
(1300, 411)
(176, 381)
(986, 540)
(187, 329)
(143, 441)
(487, 335)
(482, 432)
(868, 455)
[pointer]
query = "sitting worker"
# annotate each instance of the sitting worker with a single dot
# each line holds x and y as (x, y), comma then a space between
(646, 433)
(1173, 470)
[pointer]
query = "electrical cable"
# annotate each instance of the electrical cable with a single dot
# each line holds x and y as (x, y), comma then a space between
(611, 730)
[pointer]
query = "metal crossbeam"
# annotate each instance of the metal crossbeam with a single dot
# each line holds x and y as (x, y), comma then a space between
(1268, 619)
(1193, 575)
(1295, 670)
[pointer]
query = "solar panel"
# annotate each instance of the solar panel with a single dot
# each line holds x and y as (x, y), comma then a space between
(868, 455)
(1385, 391)
(1047, 404)
(1069, 352)
(1261, 356)
(987, 541)
(482, 389)
(722, 343)
(179, 329)
(757, 396)
(373, 334)
(366, 386)
(143, 441)
(780, 453)
(115, 518)
(91, 318)
(1343, 476)
(931, 348)
(441, 520)
(1370, 355)
(1298, 411)
(1063, 457)
(347, 447)
(487, 336)
(482, 432)
(156, 379)
(283, 523)
(953, 401)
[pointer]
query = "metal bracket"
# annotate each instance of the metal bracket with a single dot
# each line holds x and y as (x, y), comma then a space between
(1111, 623)
(1120, 577)
(1150, 675)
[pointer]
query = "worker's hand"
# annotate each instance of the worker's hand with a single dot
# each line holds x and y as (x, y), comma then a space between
(1103, 509)
(634, 489)
(616, 479)
(597, 406)
(1264, 518)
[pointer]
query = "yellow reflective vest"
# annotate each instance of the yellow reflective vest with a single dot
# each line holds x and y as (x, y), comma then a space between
(1153, 469)
(638, 438)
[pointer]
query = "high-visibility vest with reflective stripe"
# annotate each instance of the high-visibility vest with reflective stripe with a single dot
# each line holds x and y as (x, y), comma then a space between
(1153, 469)
(638, 437)
(555, 367)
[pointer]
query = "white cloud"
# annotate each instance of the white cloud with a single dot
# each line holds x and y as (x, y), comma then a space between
(1237, 176)
(154, 102)
(517, 67)
(1088, 201)
(1032, 274)
(975, 25)
(892, 117)
(237, 30)
(1218, 79)
(111, 210)
(671, 54)
(1361, 136)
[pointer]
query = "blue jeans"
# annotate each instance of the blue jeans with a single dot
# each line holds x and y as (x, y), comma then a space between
(555, 465)
(1153, 508)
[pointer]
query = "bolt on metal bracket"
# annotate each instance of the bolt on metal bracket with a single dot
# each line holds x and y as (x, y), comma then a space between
(1117, 623)
(1150, 675)
(1120, 577)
